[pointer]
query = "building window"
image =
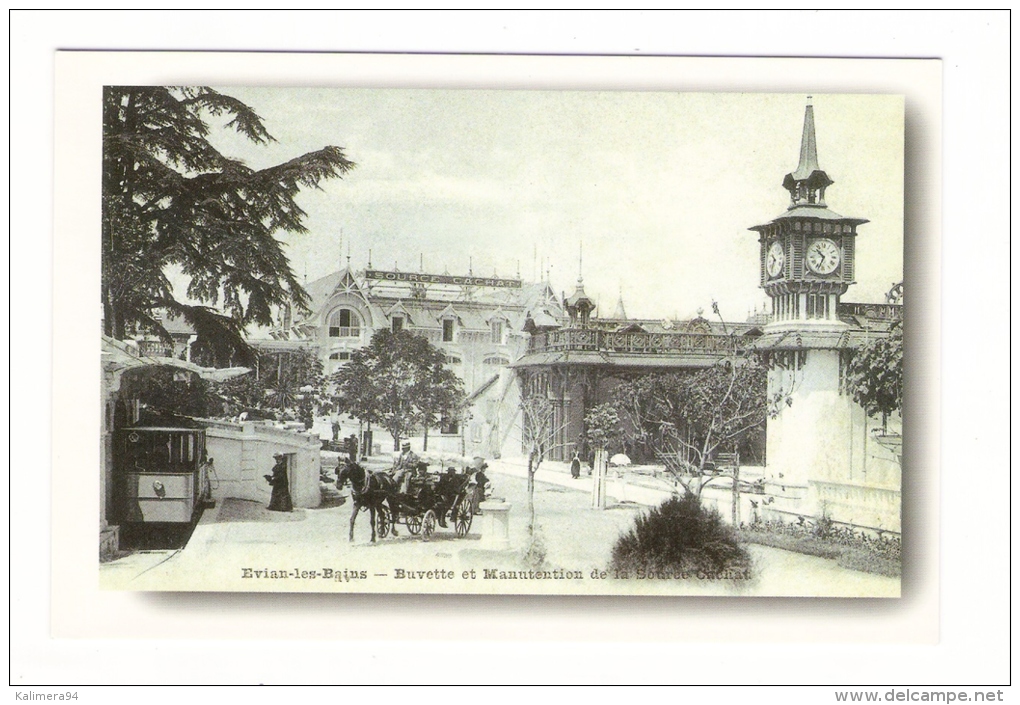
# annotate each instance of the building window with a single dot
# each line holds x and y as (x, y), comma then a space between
(344, 323)
(397, 324)
(340, 356)
(496, 360)
(447, 330)
(497, 332)
(449, 426)
(818, 306)
(452, 360)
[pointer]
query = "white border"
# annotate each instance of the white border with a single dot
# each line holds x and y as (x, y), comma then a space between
(41, 660)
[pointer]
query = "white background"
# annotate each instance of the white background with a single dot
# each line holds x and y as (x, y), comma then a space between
(973, 647)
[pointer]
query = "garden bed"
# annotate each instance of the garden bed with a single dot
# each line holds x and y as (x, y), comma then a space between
(855, 551)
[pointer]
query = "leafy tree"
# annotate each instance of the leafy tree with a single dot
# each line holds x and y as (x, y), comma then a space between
(290, 382)
(875, 374)
(169, 392)
(603, 427)
(355, 390)
(438, 393)
(398, 380)
(172, 200)
(697, 413)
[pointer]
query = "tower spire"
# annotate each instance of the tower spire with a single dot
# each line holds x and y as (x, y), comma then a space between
(808, 183)
(808, 145)
(621, 312)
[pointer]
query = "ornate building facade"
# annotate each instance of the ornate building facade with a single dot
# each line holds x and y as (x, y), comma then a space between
(478, 322)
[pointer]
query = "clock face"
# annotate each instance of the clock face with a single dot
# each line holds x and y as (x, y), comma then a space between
(823, 256)
(775, 259)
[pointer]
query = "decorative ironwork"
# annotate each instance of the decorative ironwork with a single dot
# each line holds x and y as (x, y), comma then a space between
(887, 312)
(575, 339)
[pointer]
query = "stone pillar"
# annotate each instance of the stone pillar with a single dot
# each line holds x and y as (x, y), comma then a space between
(496, 525)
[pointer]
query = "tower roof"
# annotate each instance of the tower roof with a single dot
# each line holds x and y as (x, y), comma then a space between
(621, 312)
(808, 170)
(808, 146)
(579, 297)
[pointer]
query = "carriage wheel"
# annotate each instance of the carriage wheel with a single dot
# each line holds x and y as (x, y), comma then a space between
(462, 516)
(382, 523)
(428, 525)
(414, 524)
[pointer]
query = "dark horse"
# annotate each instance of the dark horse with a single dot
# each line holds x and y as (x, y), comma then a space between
(369, 490)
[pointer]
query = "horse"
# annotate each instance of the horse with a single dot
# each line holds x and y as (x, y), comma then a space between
(369, 490)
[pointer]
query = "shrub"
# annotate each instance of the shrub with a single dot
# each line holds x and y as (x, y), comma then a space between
(680, 535)
(854, 549)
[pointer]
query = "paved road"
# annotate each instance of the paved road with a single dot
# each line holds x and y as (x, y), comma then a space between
(240, 546)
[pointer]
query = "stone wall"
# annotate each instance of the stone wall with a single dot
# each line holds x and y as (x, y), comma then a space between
(243, 453)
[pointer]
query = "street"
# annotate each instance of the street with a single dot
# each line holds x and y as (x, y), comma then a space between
(241, 546)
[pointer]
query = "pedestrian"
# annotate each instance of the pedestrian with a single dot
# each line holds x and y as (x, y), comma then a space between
(481, 484)
(352, 448)
(280, 500)
(575, 466)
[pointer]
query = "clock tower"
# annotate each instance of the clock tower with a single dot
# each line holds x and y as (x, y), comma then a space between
(807, 253)
(806, 265)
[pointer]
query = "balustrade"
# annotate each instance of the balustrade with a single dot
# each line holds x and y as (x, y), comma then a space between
(579, 339)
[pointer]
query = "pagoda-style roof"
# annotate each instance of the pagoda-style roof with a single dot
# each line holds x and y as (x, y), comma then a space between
(818, 211)
(579, 297)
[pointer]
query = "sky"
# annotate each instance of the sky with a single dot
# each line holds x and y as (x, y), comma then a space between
(648, 195)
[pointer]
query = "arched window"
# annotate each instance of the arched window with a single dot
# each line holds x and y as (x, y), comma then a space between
(344, 323)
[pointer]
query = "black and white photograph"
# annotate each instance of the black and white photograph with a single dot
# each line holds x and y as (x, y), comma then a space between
(501, 341)
(509, 347)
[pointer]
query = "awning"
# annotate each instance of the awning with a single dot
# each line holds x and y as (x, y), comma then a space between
(122, 355)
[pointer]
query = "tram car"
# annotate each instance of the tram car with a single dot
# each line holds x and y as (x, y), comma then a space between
(159, 474)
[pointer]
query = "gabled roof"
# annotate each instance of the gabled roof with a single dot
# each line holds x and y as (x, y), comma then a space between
(631, 328)
(540, 321)
(499, 313)
(449, 312)
(398, 309)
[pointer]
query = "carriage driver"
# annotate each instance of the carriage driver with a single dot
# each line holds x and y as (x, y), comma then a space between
(404, 466)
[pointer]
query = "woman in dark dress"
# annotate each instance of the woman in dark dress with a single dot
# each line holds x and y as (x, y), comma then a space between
(280, 500)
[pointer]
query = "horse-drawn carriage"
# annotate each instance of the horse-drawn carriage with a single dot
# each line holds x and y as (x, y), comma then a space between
(432, 500)
(425, 502)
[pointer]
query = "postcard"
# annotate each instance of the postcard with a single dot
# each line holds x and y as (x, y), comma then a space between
(475, 340)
